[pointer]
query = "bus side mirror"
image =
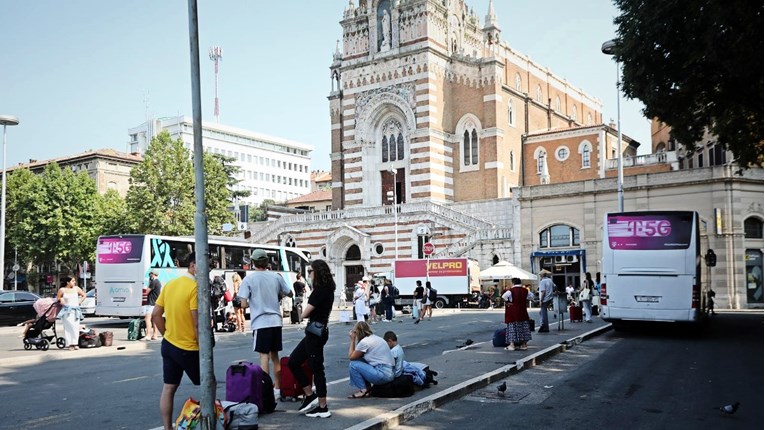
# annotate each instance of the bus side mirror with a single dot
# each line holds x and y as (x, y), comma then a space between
(711, 258)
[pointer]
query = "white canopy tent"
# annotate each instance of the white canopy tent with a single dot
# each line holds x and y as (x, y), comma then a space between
(506, 271)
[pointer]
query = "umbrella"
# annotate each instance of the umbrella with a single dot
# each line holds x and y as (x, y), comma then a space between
(505, 270)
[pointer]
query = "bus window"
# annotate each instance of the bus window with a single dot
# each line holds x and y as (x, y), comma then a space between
(216, 256)
(168, 253)
(295, 263)
(234, 257)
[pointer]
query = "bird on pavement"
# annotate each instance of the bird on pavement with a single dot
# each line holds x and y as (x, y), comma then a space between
(502, 388)
(468, 342)
(730, 409)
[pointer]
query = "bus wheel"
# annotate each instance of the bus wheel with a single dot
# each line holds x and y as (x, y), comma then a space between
(439, 304)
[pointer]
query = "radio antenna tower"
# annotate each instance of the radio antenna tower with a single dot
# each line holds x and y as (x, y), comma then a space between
(216, 54)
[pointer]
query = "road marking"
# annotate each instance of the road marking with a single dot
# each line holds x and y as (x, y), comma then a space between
(463, 348)
(46, 420)
(130, 379)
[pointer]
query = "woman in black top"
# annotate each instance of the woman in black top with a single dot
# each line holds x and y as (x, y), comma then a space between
(311, 348)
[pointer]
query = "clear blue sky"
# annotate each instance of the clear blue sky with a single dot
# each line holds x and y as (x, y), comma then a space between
(75, 72)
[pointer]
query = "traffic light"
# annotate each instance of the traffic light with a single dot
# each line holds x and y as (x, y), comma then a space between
(711, 258)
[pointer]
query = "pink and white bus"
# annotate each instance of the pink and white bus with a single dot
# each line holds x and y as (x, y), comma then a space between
(651, 267)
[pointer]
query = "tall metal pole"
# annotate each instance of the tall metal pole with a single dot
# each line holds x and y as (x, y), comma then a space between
(609, 48)
(207, 376)
(620, 162)
(395, 211)
(5, 120)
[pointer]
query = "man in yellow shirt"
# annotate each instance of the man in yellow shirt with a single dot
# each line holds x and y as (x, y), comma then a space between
(180, 343)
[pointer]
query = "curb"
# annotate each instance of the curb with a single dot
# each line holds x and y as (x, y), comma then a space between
(433, 401)
(65, 354)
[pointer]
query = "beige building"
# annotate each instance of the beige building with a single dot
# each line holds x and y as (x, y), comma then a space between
(109, 168)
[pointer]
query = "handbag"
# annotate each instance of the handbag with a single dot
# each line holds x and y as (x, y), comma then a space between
(228, 295)
(192, 412)
(584, 294)
(315, 328)
(375, 299)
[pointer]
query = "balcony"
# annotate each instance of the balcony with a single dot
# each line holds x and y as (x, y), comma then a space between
(644, 160)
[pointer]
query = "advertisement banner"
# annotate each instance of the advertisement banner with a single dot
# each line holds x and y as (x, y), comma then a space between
(653, 231)
(119, 250)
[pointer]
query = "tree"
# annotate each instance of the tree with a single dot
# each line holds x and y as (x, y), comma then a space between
(161, 196)
(52, 217)
(112, 214)
(697, 66)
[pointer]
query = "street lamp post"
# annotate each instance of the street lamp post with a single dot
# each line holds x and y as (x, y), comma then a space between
(608, 48)
(5, 120)
(395, 212)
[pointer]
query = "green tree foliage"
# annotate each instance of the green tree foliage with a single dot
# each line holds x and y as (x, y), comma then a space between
(697, 66)
(53, 216)
(260, 213)
(231, 170)
(161, 196)
(112, 214)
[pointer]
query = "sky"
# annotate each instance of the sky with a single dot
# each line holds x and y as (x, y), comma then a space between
(79, 73)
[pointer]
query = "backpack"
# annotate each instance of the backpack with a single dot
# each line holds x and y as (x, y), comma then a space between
(136, 329)
(218, 287)
(500, 337)
(269, 400)
(433, 295)
(394, 291)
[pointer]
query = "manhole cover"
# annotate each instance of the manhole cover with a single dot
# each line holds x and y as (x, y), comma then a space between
(495, 396)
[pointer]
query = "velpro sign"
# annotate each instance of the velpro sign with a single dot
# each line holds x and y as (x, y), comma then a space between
(448, 275)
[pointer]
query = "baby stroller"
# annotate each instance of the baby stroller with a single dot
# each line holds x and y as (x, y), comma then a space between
(38, 333)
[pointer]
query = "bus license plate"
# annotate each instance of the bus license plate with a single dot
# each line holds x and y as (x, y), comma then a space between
(647, 299)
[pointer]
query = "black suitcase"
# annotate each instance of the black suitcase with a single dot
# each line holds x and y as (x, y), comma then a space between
(296, 314)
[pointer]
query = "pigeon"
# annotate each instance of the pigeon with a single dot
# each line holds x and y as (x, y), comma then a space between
(502, 388)
(730, 409)
(468, 342)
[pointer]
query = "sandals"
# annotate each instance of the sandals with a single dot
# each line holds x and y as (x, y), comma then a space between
(360, 394)
(510, 347)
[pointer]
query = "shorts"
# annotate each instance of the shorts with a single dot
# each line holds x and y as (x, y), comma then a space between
(265, 340)
(176, 361)
(148, 309)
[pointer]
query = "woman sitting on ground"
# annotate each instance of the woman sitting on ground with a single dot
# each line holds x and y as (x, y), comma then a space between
(371, 360)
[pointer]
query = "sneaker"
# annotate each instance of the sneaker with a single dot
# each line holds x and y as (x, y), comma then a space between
(277, 393)
(319, 412)
(309, 402)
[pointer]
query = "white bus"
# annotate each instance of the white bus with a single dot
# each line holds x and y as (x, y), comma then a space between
(651, 267)
(123, 264)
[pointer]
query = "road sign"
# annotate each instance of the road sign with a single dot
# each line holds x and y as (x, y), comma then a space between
(16, 267)
(428, 248)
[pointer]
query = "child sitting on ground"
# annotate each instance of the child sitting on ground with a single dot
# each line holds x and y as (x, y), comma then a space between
(397, 351)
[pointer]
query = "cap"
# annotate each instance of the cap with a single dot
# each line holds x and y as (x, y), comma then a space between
(259, 254)
(154, 272)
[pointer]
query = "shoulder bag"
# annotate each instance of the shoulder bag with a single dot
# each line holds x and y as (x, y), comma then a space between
(315, 328)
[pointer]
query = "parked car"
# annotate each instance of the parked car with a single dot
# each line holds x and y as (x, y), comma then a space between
(88, 305)
(16, 307)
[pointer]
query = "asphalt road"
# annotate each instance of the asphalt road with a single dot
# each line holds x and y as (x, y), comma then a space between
(646, 378)
(121, 391)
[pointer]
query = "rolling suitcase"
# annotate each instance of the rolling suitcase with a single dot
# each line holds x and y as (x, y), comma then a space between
(246, 382)
(575, 313)
(289, 386)
(296, 314)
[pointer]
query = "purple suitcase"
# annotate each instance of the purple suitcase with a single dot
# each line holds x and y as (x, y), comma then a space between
(244, 383)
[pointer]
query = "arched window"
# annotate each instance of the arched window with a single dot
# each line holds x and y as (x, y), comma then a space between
(470, 145)
(753, 228)
(541, 160)
(384, 149)
(510, 114)
(557, 104)
(393, 148)
(661, 147)
(495, 259)
(400, 141)
(585, 148)
(559, 235)
(518, 82)
(353, 253)
(573, 112)
(539, 93)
